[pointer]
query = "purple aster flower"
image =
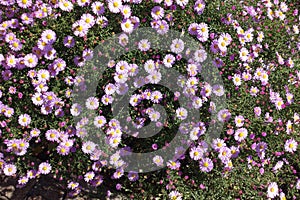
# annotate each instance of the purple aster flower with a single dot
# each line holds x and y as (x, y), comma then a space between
(218, 144)
(162, 27)
(261, 147)
(144, 45)
(31, 174)
(27, 18)
(133, 69)
(257, 111)
(88, 147)
(49, 53)
(290, 145)
(52, 135)
(196, 153)
(107, 99)
(135, 99)
(89, 176)
(228, 19)
(98, 8)
(69, 41)
(133, 176)
(139, 122)
(92, 103)
(214, 47)
(298, 184)
(73, 185)
(127, 26)
(24, 120)
(224, 154)
(239, 121)
(135, 21)
(99, 121)
(98, 180)
(199, 6)
(102, 21)
(224, 115)
(23, 180)
(218, 62)
(9, 169)
(158, 160)
(118, 174)
(234, 151)
(193, 29)
(218, 90)
(173, 164)
(240, 134)
(45, 168)
(15, 45)
(175, 195)
(88, 20)
(80, 28)
(31, 60)
(154, 116)
(206, 165)
(24, 3)
(156, 96)
(157, 12)
(11, 61)
(181, 113)
(63, 150)
(48, 36)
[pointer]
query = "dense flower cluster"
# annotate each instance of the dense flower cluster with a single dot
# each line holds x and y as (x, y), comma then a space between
(254, 45)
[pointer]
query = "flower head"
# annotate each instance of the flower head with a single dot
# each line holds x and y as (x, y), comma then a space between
(24, 120)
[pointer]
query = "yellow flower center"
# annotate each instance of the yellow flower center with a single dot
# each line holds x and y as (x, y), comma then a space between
(49, 36)
(127, 25)
(15, 44)
(80, 28)
(115, 4)
(11, 61)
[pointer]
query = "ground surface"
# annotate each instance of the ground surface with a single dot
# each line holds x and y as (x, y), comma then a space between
(46, 188)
